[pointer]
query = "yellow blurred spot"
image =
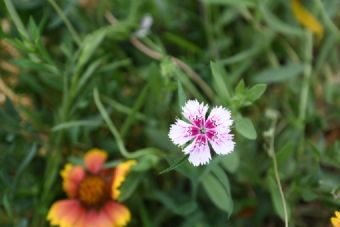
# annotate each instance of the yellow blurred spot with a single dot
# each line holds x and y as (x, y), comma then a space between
(336, 220)
(120, 173)
(307, 19)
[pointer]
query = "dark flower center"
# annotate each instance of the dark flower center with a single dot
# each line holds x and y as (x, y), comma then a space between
(92, 191)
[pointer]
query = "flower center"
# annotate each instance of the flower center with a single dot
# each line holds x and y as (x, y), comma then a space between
(202, 130)
(92, 190)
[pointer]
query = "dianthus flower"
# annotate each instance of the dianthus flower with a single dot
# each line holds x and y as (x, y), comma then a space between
(336, 220)
(92, 193)
(196, 133)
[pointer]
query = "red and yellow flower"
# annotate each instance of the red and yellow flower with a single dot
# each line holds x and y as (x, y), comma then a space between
(92, 194)
(336, 220)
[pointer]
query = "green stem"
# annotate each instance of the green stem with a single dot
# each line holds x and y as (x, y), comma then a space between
(277, 178)
(16, 19)
(113, 129)
(271, 151)
(68, 24)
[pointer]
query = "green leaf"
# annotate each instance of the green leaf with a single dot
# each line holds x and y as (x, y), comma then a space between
(220, 84)
(181, 208)
(140, 100)
(146, 162)
(244, 3)
(7, 206)
(177, 163)
(72, 124)
(245, 127)
(129, 186)
(282, 73)
(231, 161)
(285, 154)
(256, 92)
(181, 95)
(275, 23)
(90, 45)
(240, 88)
(29, 157)
(222, 177)
(217, 193)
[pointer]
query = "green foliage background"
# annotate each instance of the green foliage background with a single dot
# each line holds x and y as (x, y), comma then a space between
(90, 86)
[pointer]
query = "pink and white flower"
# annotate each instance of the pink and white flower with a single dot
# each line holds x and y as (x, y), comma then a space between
(195, 134)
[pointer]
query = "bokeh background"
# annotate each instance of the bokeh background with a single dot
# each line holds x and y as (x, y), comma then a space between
(78, 74)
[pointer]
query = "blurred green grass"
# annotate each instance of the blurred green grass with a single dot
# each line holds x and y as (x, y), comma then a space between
(239, 48)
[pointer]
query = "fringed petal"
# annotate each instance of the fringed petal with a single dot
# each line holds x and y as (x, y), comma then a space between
(219, 118)
(199, 151)
(181, 132)
(222, 142)
(60, 210)
(94, 160)
(119, 176)
(195, 112)
(72, 176)
(118, 213)
(97, 219)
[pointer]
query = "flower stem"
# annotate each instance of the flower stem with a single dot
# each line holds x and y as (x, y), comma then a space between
(270, 134)
(277, 178)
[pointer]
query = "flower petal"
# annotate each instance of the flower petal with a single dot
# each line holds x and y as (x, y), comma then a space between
(304, 17)
(119, 175)
(96, 218)
(335, 221)
(81, 219)
(199, 151)
(337, 214)
(72, 176)
(181, 132)
(195, 112)
(72, 216)
(118, 213)
(94, 160)
(60, 209)
(222, 142)
(219, 117)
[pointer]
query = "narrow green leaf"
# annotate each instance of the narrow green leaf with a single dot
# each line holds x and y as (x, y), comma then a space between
(282, 73)
(90, 45)
(29, 157)
(81, 123)
(177, 163)
(181, 95)
(245, 127)
(129, 186)
(221, 87)
(217, 193)
(182, 209)
(275, 23)
(240, 87)
(7, 206)
(136, 107)
(256, 92)
(244, 3)
(147, 161)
